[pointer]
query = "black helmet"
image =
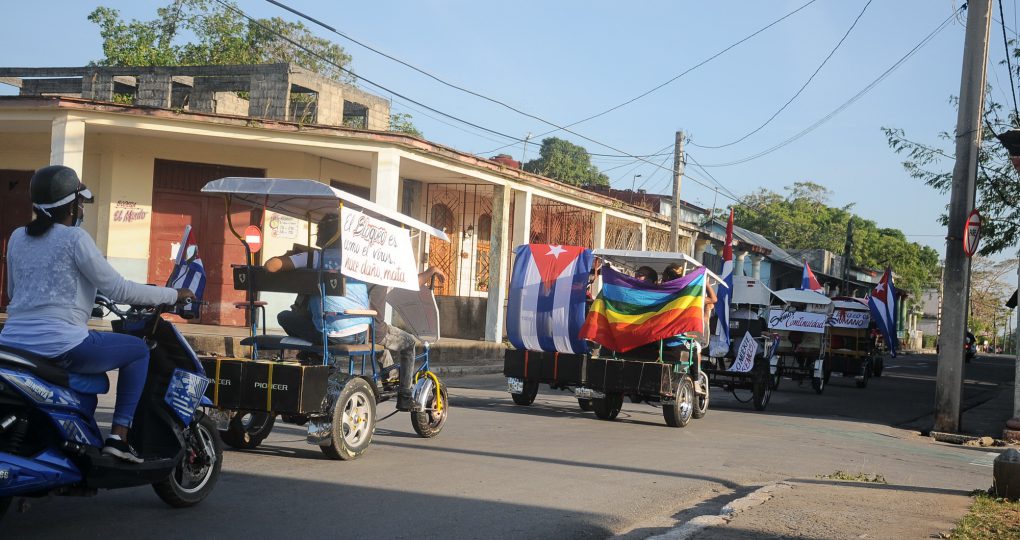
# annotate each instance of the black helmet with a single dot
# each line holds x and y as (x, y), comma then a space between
(55, 186)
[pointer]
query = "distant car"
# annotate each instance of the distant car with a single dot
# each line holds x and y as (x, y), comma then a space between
(969, 348)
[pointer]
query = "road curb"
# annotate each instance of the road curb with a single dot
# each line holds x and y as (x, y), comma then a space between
(728, 512)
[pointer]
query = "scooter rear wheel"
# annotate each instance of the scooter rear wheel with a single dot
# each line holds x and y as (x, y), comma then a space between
(195, 476)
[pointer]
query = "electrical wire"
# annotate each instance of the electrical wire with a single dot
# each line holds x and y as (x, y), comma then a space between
(1009, 65)
(556, 127)
(322, 58)
(681, 74)
(847, 103)
(799, 91)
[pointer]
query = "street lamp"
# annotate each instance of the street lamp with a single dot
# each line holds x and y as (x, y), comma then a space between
(634, 181)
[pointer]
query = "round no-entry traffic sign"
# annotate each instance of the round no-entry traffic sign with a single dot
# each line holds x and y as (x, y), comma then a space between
(253, 237)
(972, 233)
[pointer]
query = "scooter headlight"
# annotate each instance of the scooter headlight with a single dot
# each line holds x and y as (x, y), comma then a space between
(40, 391)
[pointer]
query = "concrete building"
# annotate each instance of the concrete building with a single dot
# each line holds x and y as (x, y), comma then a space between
(147, 139)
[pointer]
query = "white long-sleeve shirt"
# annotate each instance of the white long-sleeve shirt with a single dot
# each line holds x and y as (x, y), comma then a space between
(52, 281)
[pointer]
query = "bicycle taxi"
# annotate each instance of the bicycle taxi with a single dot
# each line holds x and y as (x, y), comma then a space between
(802, 323)
(552, 323)
(851, 346)
(749, 366)
(331, 387)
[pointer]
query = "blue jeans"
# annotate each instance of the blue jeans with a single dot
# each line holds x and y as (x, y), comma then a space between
(105, 351)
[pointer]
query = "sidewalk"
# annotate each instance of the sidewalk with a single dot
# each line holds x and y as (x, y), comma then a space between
(817, 509)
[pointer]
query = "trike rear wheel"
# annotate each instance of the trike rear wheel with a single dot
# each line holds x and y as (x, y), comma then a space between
(701, 402)
(353, 421)
(607, 408)
(430, 422)
(681, 410)
(527, 396)
(247, 430)
(761, 387)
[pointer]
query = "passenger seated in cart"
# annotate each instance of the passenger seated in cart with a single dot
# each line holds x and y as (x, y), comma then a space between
(303, 320)
(674, 347)
(396, 341)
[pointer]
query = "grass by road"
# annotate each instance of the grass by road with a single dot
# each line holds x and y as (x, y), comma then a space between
(990, 517)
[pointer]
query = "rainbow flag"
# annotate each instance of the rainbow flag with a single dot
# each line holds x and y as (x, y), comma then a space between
(629, 313)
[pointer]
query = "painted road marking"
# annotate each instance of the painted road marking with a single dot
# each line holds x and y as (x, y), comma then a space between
(985, 460)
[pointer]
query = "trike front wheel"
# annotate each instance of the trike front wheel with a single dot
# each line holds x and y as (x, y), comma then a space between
(353, 421)
(430, 422)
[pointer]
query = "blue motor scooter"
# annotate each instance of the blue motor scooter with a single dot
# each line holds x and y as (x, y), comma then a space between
(50, 443)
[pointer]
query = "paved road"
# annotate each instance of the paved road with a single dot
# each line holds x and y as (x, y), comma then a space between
(549, 470)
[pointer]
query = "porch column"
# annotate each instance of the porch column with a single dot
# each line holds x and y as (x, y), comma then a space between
(386, 178)
(522, 218)
(738, 269)
(499, 258)
(67, 143)
(756, 266)
(644, 236)
(600, 231)
(699, 248)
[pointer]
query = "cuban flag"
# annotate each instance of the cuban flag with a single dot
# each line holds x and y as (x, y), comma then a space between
(719, 344)
(808, 281)
(547, 298)
(882, 302)
(188, 271)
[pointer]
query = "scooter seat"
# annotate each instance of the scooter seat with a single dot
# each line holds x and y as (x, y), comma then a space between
(97, 383)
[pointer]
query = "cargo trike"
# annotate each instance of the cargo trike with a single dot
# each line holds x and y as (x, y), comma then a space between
(328, 383)
(851, 345)
(802, 322)
(748, 366)
(646, 336)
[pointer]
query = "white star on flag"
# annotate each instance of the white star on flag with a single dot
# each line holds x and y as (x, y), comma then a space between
(880, 287)
(555, 251)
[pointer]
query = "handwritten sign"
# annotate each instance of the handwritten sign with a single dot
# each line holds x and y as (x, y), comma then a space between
(797, 320)
(128, 212)
(745, 355)
(846, 318)
(376, 252)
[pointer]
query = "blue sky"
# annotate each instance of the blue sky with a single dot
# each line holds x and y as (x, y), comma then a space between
(566, 60)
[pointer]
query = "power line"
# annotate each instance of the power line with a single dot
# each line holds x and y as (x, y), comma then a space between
(322, 58)
(510, 107)
(847, 103)
(685, 72)
(802, 88)
(1009, 65)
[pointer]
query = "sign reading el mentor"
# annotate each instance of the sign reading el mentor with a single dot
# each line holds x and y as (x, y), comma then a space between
(972, 233)
(377, 252)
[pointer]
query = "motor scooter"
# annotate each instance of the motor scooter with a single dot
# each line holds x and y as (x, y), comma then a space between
(50, 443)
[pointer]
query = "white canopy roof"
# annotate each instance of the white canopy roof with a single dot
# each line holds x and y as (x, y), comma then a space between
(658, 260)
(306, 199)
(855, 304)
(798, 296)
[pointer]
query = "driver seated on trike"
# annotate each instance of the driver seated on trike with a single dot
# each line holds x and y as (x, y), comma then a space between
(310, 315)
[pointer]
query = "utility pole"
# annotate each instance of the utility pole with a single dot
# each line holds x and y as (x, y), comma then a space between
(956, 284)
(678, 171)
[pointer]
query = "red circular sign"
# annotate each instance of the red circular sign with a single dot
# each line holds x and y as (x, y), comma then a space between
(253, 237)
(972, 233)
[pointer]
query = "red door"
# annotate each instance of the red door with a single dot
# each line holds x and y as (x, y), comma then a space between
(176, 202)
(16, 205)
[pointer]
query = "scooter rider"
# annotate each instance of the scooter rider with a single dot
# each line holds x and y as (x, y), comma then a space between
(54, 270)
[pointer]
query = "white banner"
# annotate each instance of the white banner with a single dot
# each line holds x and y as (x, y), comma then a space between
(377, 252)
(846, 318)
(745, 355)
(797, 320)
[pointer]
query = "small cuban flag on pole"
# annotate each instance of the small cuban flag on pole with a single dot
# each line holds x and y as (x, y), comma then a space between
(188, 272)
(719, 344)
(882, 302)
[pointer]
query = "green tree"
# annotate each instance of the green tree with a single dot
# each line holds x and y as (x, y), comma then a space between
(803, 220)
(203, 32)
(567, 162)
(401, 123)
(998, 196)
(194, 32)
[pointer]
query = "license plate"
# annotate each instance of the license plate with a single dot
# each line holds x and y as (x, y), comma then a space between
(514, 385)
(587, 393)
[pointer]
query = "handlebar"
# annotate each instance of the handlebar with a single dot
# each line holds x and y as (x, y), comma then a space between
(133, 311)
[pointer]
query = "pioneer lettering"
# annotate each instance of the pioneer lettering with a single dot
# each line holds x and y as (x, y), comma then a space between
(264, 386)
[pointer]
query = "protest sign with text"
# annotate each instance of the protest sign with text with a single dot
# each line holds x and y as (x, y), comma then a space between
(376, 252)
